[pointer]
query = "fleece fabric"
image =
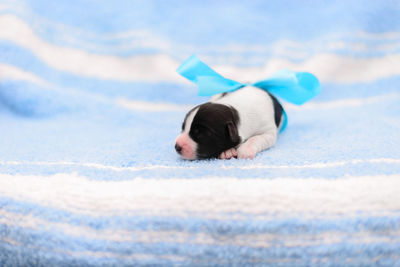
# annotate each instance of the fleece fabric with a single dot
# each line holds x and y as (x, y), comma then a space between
(91, 104)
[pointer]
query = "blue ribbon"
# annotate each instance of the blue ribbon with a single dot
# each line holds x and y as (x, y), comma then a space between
(294, 87)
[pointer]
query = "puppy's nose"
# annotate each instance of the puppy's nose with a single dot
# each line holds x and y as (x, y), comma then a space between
(178, 148)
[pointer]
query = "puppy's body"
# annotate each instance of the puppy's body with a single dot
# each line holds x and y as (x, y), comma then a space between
(238, 124)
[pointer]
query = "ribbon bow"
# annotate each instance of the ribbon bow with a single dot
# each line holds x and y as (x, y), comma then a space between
(294, 87)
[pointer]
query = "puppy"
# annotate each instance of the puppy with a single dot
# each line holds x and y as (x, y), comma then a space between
(238, 124)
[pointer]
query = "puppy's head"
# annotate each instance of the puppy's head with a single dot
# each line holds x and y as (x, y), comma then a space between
(207, 131)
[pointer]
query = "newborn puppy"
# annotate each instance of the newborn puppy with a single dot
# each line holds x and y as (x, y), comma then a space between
(238, 124)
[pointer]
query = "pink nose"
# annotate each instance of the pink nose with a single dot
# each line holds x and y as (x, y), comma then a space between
(185, 146)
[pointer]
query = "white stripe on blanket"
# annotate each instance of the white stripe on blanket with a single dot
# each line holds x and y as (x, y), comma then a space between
(8, 72)
(211, 196)
(151, 68)
(317, 165)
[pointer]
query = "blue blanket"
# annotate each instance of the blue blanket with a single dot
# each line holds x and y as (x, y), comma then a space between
(90, 105)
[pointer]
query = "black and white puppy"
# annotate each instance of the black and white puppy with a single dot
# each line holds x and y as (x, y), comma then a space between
(238, 124)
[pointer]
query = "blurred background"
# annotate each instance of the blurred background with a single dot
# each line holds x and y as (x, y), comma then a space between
(90, 106)
(131, 49)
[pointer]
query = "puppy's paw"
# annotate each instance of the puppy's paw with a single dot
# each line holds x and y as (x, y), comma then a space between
(246, 151)
(230, 153)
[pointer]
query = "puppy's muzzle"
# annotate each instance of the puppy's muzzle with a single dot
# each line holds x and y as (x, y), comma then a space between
(185, 146)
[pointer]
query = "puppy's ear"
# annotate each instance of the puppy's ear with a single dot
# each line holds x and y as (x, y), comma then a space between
(232, 132)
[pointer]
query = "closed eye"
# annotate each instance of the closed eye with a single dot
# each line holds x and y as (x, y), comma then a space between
(201, 131)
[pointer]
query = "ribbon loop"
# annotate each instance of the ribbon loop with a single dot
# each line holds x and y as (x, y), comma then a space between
(294, 87)
(208, 81)
(193, 67)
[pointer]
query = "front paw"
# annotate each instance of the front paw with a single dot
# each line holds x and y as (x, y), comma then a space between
(246, 151)
(230, 153)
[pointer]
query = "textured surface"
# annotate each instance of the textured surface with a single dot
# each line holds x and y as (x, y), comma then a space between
(90, 105)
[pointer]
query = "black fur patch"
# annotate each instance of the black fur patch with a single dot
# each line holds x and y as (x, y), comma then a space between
(222, 95)
(214, 129)
(278, 110)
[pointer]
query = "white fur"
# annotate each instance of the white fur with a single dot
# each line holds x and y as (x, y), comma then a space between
(257, 127)
(189, 120)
